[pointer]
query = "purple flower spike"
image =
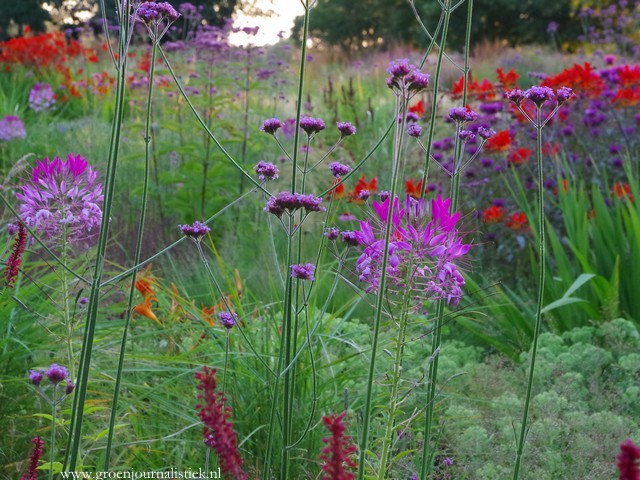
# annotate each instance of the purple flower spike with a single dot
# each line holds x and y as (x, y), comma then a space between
(303, 271)
(271, 126)
(346, 129)
(195, 231)
(312, 125)
(338, 169)
(228, 320)
(414, 130)
(540, 95)
(57, 373)
(266, 170)
(36, 376)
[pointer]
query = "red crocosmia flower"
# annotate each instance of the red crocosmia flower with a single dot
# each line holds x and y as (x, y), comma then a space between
(626, 97)
(582, 79)
(362, 185)
(413, 189)
(338, 192)
(550, 149)
(482, 91)
(418, 109)
(493, 214)
(508, 80)
(517, 221)
(629, 76)
(500, 142)
(622, 190)
(519, 156)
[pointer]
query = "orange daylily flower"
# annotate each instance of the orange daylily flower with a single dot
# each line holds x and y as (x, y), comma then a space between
(144, 309)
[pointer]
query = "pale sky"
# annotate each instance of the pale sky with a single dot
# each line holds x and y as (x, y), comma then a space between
(285, 12)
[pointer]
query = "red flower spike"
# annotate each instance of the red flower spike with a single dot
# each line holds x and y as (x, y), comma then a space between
(337, 456)
(628, 461)
(15, 258)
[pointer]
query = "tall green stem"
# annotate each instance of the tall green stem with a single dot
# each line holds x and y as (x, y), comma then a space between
(52, 442)
(136, 261)
(541, 276)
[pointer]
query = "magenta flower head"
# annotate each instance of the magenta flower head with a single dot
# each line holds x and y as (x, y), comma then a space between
(70, 386)
(228, 320)
(332, 234)
(266, 170)
(350, 238)
(462, 115)
(62, 199)
(629, 461)
(540, 95)
(414, 130)
(338, 169)
(11, 127)
(563, 94)
(486, 133)
(14, 261)
(41, 97)
(36, 455)
(312, 125)
(303, 271)
(271, 126)
(195, 231)
(516, 96)
(405, 79)
(290, 202)
(56, 373)
(36, 376)
(346, 129)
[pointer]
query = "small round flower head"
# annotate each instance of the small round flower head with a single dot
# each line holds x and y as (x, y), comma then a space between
(539, 95)
(350, 238)
(195, 231)
(293, 201)
(462, 114)
(563, 94)
(417, 81)
(36, 376)
(228, 320)
(516, 96)
(414, 130)
(384, 195)
(486, 133)
(266, 170)
(410, 117)
(312, 125)
(41, 97)
(338, 169)
(466, 136)
(165, 10)
(332, 234)
(400, 68)
(12, 229)
(149, 12)
(303, 271)
(83, 301)
(56, 373)
(364, 195)
(346, 129)
(69, 387)
(271, 126)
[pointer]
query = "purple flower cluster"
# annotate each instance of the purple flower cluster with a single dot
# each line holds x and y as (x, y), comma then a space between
(41, 97)
(303, 271)
(462, 115)
(540, 95)
(414, 130)
(228, 320)
(266, 170)
(195, 231)
(312, 125)
(62, 199)
(11, 127)
(346, 129)
(405, 79)
(271, 126)
(150, 12)
(338, 169)
(55, 374)
(290, 202)
(423, 248)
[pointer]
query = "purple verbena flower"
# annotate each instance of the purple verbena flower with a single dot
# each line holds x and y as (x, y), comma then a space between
(195, 231)
(346, 129)
(350, 238)
(56, 373)
(332, 234)
(69, 387)
(462, 114)
(312, 125)
(486, 133)
(271, 126)
(303, 271)
(286, 201)
(266, 170)
(563, 94)
(539, 95)
(414, 130)
(338, 169)
(466, 135)
(36, 376)
(516, 96)
(228, 320)
(62, 199)
(11, 127)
